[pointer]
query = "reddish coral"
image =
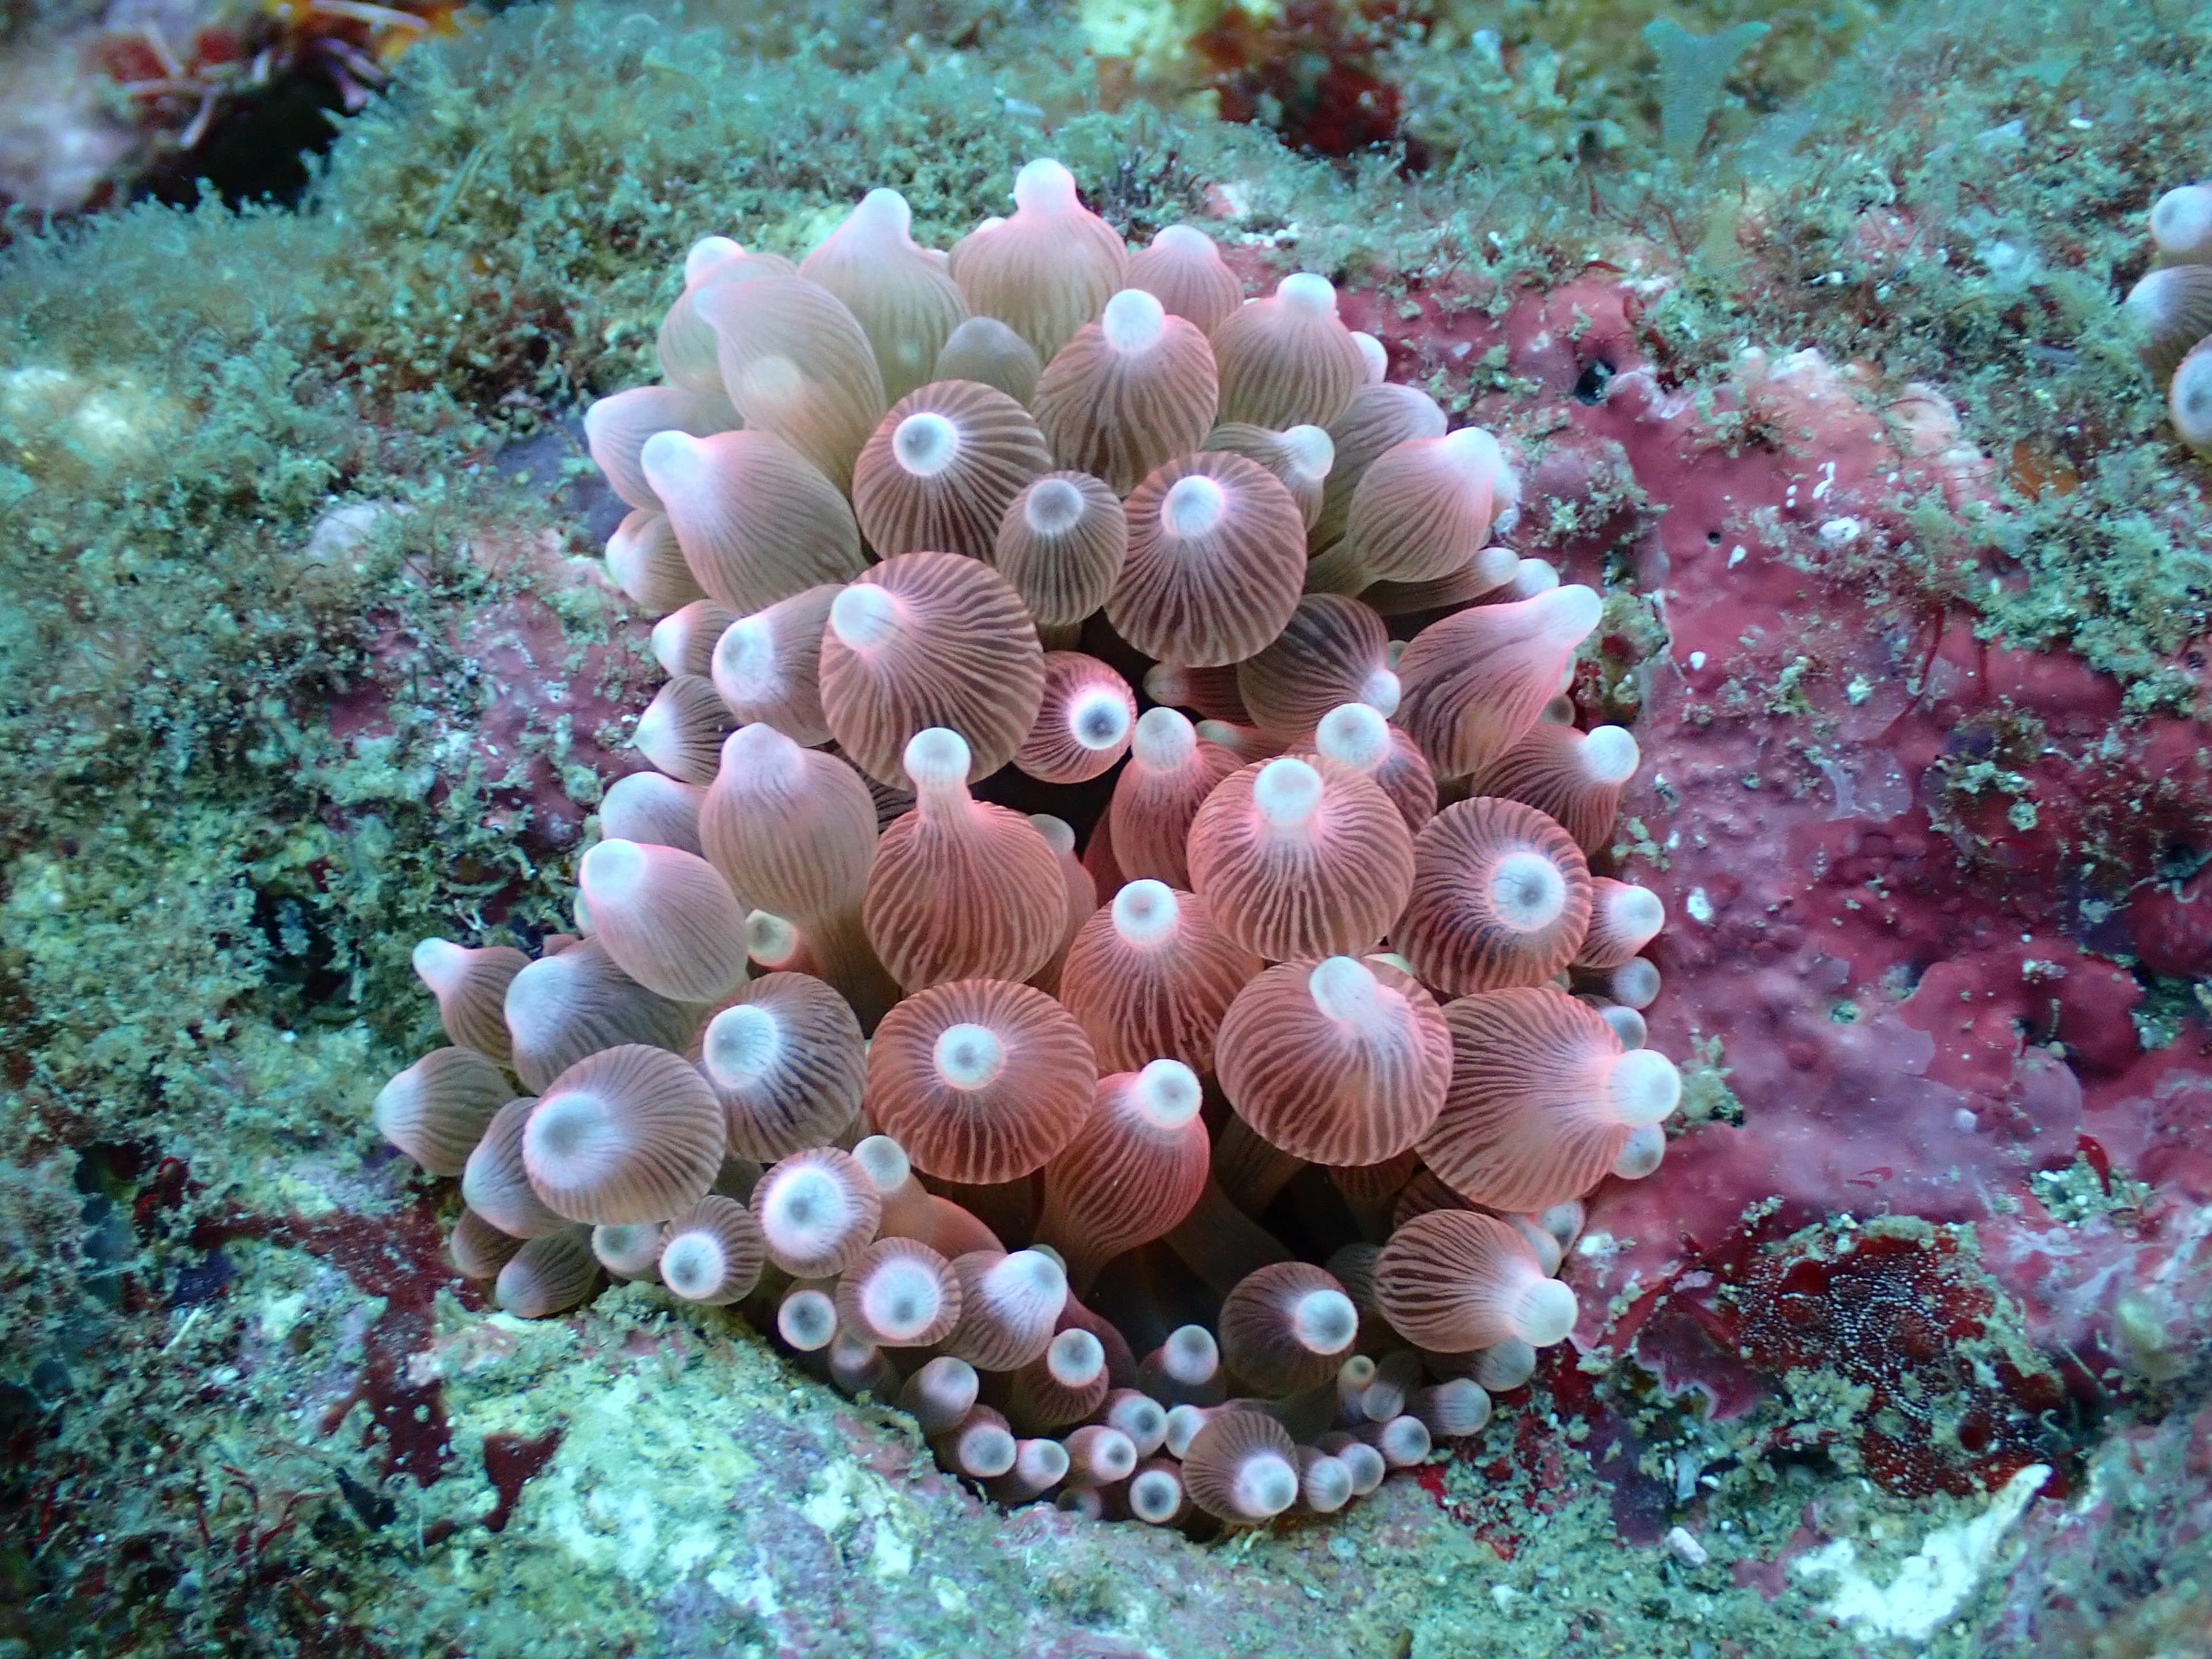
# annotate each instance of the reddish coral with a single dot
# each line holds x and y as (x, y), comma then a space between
(232, 56)
(510, 1460)
(2120, 1570)
(1311, 70)
(2170, 926)
(1903, 1315)
(541, 703)
(402, 1261)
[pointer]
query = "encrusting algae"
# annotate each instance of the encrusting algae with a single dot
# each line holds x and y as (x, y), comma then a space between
(331, 639)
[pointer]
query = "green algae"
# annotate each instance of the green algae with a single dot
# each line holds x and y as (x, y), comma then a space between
(694, 1471)
(1693, 71)
(1960, 203)
(210, 897)
(1521, 83)
(1974, 202)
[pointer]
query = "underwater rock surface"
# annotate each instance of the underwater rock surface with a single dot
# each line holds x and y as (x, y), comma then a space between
(1904, 1342)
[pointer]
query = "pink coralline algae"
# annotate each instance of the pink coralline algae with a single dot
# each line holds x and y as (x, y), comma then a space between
(1906, 865)
(1901, 1317)
(2098, 1574)
(538, 710)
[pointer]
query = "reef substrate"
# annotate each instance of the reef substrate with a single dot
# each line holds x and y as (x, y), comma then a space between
(1919, 1289)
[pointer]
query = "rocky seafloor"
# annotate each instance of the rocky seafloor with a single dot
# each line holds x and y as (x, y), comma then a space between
(1905, 1346)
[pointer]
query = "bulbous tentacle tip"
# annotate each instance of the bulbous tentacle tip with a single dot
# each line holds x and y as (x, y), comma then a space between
(1642, 1153)
(1155, 1494)
(863, 618)
(705, 254)
(1357, 734)
(1610, 754)
(1168, 1093)
(645, 560)
(629, 1134)
(1043, 185)
(925, 443)
(666, 917)
(1164, 737)
(2181, 224)
(1345, 990)
(940, 471)
(682, 729)
(683, 640)
(1145, 911)
(1545, 1314)
(1133, 320)
(2170, 310)
(1242, 1468)
(1193, 507)
(1635, 984)
(806, 1319)
(981, 1081)
(1569, 612)
(437, 1109)
(1085, 723)
(985, 350)
(900, 1294)
(2189, 400)
(1184, 269)
(1474, 452)
(548, 1276)
(1344, 1062)
(631, 1249)
(940, 1394)
(478, 1249)
(1286, 792)
(1624, 919)
(1502, 895)
(816, 1211)
(1627, 1025)
(1306, 292)
(673, 460)
(886, 208)
(1215, 561)
(930, 639)
(712, 1254)
(1362, 1462)
(937, 759)
(1645, 1087)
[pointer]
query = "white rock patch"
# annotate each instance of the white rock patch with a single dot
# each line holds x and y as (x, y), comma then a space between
(1932, 1584)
